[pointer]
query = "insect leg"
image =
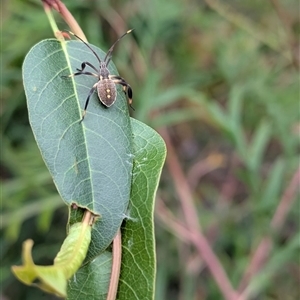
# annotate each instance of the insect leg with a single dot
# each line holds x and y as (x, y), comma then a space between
(86, 63)
(88, 99)
(126, 88)
(80, 73)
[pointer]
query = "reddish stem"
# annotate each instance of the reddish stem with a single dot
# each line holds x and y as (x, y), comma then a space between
(192, 222)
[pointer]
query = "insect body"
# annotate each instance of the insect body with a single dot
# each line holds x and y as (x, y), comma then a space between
(106, 84)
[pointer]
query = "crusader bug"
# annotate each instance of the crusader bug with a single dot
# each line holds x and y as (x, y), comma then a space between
(106, 84)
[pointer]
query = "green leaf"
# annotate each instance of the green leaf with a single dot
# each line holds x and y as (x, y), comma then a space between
(234, 119)
(259, 143)
(271, 193)
(92, 280)
(53, 279)
(90, 162)
(137, 278)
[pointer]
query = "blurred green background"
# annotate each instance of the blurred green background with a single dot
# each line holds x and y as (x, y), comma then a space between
(220, 83)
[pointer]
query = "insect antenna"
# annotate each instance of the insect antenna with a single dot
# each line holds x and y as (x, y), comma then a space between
(86, 45)
(109, 52)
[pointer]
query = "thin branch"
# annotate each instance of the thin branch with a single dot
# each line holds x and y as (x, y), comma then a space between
(286, 202)
(181, 185)
(169, 221)
(191, 219)
(66, 15)
(116, 267)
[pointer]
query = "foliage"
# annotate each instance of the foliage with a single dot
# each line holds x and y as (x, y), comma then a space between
(89, 161)
(220, 83)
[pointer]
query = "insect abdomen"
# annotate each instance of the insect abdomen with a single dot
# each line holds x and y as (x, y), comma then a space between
(107, 92)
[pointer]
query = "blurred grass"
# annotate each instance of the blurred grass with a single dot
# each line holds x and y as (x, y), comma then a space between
(223, 82)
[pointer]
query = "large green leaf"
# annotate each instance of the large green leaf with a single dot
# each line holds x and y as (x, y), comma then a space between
(137, 278)
(91, 162)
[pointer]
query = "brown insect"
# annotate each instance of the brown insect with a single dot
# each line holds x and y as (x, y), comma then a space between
(106, 84)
